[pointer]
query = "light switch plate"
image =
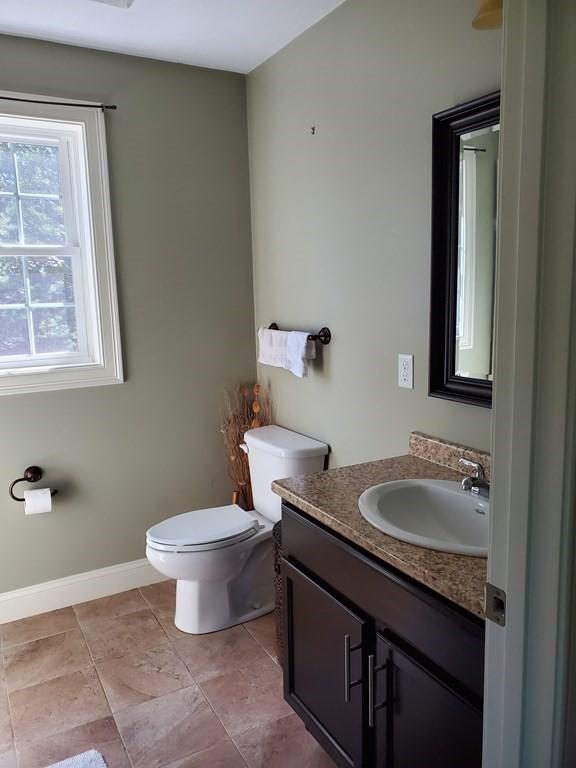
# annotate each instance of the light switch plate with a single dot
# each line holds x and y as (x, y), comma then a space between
(406, 371)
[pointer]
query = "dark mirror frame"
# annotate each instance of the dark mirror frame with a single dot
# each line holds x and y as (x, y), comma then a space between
(447, 127)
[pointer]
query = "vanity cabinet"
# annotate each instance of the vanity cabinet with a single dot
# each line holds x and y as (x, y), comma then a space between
(382, 671)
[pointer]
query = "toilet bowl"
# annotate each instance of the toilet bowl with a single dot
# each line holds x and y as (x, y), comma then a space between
(221, 557)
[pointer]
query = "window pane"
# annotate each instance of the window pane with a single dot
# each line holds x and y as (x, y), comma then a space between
(7, 178)
(8, 220)
(55, 330)
(38, 169)
(43, 221)
(11, 281)
(13, 332)
(50, 279)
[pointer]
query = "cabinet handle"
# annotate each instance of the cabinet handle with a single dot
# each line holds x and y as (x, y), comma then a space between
(347, 683)
(346, 668)
(372, 672)
(371, 690)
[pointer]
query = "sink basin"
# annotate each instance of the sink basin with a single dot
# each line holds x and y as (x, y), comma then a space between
(436, 514)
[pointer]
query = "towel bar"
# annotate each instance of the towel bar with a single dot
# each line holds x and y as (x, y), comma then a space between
(324, 335)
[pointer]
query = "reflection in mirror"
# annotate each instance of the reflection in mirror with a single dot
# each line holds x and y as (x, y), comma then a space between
(476, 253)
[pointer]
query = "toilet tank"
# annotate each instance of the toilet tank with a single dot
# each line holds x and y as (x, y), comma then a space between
(274, 453)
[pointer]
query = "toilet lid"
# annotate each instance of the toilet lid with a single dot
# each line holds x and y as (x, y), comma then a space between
(203, 526)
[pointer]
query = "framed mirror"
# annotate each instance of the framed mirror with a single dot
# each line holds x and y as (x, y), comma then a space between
(464, 204)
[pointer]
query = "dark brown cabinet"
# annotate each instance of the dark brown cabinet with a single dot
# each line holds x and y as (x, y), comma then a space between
(425, 723)
(326, 642)
(383, 673)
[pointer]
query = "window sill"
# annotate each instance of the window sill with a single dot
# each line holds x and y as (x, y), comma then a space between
(47, 378)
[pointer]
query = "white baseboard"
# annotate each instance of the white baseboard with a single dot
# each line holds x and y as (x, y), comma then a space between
(60, 593)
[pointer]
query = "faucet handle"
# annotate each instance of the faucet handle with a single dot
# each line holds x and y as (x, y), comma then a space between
(476, 469)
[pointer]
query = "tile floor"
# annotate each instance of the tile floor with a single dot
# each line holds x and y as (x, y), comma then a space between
(116, 675)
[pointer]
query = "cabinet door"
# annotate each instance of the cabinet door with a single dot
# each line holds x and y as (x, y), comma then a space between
(422, 722)
(324, 660)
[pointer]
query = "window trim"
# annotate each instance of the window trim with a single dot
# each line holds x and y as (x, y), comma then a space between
(103, 320)
(73, 183)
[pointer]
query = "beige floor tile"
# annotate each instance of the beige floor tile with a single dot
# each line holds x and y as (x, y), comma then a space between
(263, 630)
(40, 660)
(248, 697)
(169, 728)
(35, 627)
(166, 619)
(219, 652)
(282, 744)
(161, 597)
(101, 735)
(222, 755)
(109, 607)
(142, 675)
(6, 739)
(162, 600)
(137, 631)
(57, 705)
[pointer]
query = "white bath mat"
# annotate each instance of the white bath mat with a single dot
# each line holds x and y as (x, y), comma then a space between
(90, 759)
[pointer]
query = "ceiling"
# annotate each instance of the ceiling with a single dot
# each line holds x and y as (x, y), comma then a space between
(236, 35)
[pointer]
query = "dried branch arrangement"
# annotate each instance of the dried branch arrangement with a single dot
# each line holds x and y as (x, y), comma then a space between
(247, 407)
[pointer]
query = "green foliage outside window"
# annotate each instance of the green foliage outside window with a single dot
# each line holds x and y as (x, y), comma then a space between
(31, 213)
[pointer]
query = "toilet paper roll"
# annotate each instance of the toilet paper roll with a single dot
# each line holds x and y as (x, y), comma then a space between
(37, 502)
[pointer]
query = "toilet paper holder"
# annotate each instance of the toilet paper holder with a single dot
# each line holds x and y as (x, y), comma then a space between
(31, 475)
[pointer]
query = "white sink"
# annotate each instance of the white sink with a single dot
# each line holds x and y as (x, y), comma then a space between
(436, 514)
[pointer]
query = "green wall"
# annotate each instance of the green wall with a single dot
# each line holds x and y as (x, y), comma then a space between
(341, 218)
(341, 236)
(128, 455)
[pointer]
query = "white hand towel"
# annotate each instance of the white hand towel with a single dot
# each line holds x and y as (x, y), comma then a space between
(299, 350)
(273, 347)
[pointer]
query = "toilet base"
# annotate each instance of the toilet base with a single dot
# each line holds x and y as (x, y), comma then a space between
(203, 607)
(237, 586)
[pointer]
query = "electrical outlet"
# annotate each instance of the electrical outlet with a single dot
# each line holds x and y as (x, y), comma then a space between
(406, 371)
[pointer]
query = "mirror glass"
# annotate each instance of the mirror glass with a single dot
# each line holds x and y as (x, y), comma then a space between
(477, 206)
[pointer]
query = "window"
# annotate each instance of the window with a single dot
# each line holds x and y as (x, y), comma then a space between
(58, 308)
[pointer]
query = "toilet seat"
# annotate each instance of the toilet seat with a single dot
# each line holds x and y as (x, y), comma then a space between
(202, 530)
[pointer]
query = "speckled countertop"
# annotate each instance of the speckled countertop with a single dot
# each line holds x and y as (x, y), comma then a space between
(331, 497)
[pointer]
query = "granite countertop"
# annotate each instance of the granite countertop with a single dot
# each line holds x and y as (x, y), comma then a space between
(331, 497)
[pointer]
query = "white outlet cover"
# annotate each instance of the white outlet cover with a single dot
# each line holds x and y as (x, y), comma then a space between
(406, 371)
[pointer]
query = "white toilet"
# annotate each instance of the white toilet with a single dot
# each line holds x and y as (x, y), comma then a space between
(222, 557)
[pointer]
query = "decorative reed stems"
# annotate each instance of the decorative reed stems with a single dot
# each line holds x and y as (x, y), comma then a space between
(247, 407)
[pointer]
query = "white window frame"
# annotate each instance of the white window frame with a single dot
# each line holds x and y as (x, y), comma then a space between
(80, 132)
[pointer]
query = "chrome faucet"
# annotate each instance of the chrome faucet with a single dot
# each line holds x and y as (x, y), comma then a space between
(476, 483)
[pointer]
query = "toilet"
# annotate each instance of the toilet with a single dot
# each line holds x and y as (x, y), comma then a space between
(221, 557)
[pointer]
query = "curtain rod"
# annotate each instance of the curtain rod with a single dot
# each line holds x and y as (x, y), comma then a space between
(60, 103)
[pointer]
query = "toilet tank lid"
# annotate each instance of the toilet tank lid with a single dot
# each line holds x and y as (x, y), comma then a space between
(283, 442)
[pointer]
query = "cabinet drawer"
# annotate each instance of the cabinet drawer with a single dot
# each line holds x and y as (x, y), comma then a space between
(448, 636)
